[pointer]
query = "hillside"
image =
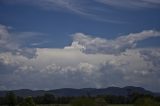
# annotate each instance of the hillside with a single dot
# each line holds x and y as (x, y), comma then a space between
(82, 92)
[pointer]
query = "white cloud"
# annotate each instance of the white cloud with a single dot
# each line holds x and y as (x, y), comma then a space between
(10, 44)
(74, 46)
(5, 39)
(59, 67)
(102, 67)
(114, 46)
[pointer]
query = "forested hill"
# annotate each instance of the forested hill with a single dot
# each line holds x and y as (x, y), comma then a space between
(83, 92)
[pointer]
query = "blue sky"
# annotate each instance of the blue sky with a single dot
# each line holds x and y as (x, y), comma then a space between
(109, 36)
(57, 24)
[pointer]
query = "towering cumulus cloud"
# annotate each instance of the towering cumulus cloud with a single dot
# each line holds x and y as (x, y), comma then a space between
(90, 61)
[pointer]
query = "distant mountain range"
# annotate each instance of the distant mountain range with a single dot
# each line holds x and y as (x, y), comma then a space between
(82, 92)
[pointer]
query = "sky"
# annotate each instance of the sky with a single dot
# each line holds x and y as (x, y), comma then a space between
(51, 44)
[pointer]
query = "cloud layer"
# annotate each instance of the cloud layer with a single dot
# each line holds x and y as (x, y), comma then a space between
(90, 61)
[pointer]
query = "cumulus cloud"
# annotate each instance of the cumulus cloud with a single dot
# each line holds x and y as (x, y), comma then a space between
(106, 65)
(9, 44)
(114, 46)
(58, 67)
(5, 41)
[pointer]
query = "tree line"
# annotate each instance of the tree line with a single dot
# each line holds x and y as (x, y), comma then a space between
(101, 100)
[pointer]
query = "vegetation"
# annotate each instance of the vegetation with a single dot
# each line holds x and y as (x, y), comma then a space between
(27, 102)
(11, 99)
(146, 101)
(83, 102)
(48, 99)
(102, 100)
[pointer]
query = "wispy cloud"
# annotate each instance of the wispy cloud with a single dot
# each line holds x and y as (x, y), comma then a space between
(39, 43)
(133, 4)
(60, 5)
(93, 9)
(87, 8)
